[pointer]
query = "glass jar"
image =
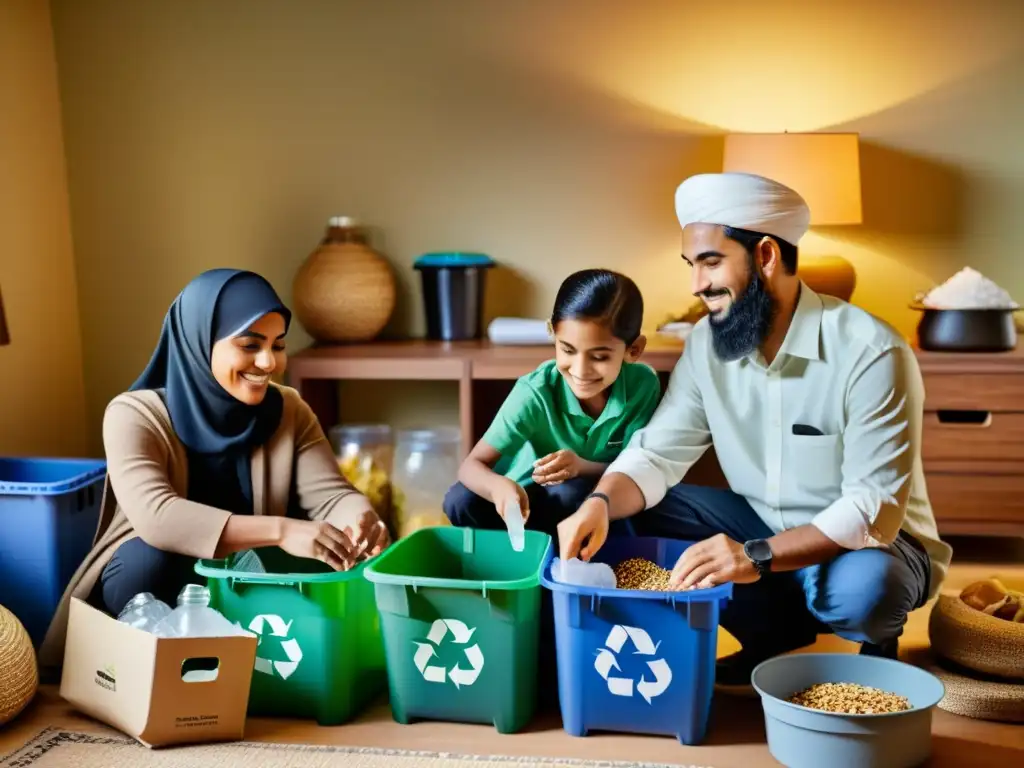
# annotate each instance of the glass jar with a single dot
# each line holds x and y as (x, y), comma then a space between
(365, 455)
(426, 466)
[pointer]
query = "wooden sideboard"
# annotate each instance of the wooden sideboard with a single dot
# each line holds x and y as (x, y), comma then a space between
(973, 446)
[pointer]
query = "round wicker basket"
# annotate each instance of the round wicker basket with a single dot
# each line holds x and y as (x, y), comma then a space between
(975, 640)
(19, 676)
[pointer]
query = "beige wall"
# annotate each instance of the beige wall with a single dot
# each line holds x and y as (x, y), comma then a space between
(42, 398)
(550, 135)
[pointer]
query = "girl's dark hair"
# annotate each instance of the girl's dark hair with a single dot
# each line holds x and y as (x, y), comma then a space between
(605, 297)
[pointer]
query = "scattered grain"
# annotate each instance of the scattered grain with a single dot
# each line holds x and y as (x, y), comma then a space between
(637, 573)
(850, 699)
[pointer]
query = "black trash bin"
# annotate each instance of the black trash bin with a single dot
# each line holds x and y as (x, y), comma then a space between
(453, 294)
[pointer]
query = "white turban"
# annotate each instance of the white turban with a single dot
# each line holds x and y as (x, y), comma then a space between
(745, 201)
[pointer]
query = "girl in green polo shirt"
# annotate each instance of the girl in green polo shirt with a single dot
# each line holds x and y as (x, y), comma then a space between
(567, 420)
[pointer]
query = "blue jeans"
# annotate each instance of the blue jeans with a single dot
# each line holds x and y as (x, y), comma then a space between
(139, 567)
(863, 595)
(549, 505)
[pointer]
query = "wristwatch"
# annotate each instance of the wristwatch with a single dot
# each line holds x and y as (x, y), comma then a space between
(759, 552)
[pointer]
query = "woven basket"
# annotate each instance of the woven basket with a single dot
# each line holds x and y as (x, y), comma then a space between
(979, 699)
(19, 676)
(975, 640)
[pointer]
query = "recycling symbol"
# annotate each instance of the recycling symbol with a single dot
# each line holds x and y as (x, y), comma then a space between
(606, 661)
(278, 628)
(461, 634)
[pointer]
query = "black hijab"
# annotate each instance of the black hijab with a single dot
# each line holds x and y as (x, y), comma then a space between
(219, 432)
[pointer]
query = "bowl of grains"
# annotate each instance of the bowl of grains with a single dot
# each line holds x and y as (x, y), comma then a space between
(844, 710)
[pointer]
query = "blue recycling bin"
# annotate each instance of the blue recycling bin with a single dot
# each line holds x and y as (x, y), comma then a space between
(49, 509)
(634, 661)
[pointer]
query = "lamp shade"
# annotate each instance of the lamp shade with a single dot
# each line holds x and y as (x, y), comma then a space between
(5, 337)
(824, 168)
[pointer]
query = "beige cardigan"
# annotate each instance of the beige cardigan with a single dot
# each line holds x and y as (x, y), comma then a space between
(144, 493)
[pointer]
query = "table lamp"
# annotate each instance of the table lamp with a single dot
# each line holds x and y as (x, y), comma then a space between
(825, 169)
(5, 336)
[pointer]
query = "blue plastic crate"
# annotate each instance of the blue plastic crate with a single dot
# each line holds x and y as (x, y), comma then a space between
(48, 514)
(635, 661)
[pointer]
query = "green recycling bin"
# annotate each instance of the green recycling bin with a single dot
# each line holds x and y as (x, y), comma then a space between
(460, 616)
(320, 653)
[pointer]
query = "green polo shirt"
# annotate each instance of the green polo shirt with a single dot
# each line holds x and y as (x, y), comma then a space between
(541, 415)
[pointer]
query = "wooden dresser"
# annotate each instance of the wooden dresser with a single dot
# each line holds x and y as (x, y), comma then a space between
(973, 434)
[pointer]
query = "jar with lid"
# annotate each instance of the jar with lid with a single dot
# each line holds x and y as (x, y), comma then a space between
(426, 466)
(365, 454)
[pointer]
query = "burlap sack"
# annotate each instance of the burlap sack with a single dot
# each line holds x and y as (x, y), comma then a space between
(979, 699)
(976, 641)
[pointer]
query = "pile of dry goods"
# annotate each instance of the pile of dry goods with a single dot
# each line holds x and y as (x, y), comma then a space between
(637, 573)
(850, 699)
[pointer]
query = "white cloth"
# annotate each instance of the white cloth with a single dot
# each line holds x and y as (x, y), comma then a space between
(840, 371)
(745, 201)
(518, 331)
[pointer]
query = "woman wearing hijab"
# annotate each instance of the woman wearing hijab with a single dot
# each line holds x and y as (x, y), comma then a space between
(207, 457)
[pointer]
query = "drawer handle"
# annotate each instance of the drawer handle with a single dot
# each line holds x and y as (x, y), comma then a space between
(965, 418)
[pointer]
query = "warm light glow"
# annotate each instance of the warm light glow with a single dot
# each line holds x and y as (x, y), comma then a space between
(750, 66)
(823, 167)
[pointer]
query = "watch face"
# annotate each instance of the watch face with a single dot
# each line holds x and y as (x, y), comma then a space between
(759, 550)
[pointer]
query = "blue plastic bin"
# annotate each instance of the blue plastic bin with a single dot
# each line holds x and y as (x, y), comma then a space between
(636, 661)
(48, 514)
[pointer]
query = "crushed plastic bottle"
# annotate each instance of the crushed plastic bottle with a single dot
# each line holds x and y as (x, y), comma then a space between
(195, 618)
(249, 562)
(516, 528)
(144, 612)
(583, 574)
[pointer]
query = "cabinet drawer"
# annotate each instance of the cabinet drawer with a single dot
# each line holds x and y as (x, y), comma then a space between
(973, 435)
(977, 498)
(974, 391)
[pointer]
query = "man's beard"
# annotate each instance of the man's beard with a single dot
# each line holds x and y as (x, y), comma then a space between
(746, 323)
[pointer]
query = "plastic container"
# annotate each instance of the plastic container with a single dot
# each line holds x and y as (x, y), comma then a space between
(800, 737)
(460, 614)
(426, 466)
(320, 653)
(144, 612)
(365, 455)
(636, 661)
(195, 617)
(453, 294)
(49, 509)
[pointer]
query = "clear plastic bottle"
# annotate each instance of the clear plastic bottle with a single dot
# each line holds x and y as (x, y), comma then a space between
(194, 617)
(144, 612)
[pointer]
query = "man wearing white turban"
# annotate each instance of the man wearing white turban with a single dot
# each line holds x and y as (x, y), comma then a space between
(814, 408)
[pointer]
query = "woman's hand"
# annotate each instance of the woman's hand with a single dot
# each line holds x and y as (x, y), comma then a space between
(557, 467)
(317, 540)
(508, 492)
(369, 534)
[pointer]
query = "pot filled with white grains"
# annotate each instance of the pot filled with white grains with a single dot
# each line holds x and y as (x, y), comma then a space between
(967, 313)
(844, 710)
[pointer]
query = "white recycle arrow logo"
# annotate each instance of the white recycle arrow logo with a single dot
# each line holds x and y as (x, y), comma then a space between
(606, 661)
(278, 628)
(461, 634)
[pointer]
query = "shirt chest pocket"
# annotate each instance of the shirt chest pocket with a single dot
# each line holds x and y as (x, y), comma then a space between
(814, 461)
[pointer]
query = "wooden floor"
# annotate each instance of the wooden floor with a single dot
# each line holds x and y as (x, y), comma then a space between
(736, 737)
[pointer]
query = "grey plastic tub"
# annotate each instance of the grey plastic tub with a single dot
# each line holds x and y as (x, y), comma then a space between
(799, 737)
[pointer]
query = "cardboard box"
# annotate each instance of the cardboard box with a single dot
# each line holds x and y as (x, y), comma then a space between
(133, 680)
